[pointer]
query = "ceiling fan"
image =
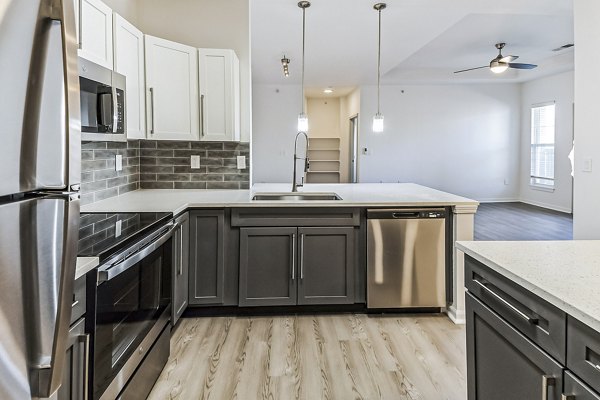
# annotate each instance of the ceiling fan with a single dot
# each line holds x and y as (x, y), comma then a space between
(501, 63)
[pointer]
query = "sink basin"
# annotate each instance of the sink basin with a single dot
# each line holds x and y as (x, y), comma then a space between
(296, 196)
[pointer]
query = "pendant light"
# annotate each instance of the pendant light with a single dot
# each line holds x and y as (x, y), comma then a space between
(378, 118)
(302, 118)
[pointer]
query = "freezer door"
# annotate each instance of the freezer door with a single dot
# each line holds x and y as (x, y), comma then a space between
(39, 105)
(38, 255)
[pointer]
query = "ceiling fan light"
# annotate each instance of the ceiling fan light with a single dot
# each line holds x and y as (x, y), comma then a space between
(498, 67)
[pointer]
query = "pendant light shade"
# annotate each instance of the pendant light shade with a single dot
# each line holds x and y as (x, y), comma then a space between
(302, 118)
(378, 118)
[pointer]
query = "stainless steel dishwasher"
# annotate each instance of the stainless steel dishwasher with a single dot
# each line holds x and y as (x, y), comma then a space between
(406, 258)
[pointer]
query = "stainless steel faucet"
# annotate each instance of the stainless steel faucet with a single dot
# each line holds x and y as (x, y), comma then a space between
(295, 184)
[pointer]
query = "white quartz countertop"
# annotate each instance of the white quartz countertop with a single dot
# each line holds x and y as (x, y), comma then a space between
(85, 265)
(564, 273)
(359, 195)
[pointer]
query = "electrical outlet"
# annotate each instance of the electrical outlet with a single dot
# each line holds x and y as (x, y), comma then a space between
(118, 162)
(118, 228)
(587, 165)
(506, 182)
(241, 162)
(195, 162)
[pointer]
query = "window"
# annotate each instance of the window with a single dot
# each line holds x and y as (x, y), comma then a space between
(542, 145)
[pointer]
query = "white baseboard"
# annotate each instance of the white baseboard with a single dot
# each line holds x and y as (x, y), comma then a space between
(549, 206)
(497, 200)
(457, 316)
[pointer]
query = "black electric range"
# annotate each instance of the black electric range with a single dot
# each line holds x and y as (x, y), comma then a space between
(104, 234)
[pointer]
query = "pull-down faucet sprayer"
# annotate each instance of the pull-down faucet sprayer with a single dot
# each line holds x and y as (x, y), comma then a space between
(295, 184)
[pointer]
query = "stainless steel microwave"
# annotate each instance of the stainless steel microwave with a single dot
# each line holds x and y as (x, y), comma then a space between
(102, 95)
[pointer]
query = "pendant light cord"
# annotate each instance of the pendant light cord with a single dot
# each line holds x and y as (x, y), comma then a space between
(303, 46)
(379, 62)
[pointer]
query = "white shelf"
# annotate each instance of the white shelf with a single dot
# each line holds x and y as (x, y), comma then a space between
(309, 149)
(324, 160)
(323, 172)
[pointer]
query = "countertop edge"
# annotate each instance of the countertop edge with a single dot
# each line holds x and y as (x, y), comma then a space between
(549, 297)
(85, 265)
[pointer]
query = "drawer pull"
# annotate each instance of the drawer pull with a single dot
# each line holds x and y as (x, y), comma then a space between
(547, 381)
(567, 397)
(533, 321)
(75, 303)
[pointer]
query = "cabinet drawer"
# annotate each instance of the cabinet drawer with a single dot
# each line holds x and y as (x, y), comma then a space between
(584, 352)
(577, 390)
(537, 319)
(78, 305)
(285, 216)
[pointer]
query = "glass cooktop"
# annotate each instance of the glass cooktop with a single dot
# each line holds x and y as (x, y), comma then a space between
(103, 234)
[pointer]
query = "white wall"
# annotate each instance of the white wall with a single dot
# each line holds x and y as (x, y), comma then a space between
(128, 9)
(205, 23)
(586, 219)
(461, 139)
(275, 111)
(558, 88)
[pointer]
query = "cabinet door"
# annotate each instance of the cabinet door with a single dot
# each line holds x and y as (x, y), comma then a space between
(326, 265)
(577, 390)
(219, 80)
(171, 90)
(95, 31)
(129, 61)
(207, 258)
(268, 266)
(502, 363)
(75, 373)
(181, 267)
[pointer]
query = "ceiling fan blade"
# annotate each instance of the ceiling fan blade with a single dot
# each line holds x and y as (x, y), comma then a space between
(508, 59)
(471, 69)
(522, 66)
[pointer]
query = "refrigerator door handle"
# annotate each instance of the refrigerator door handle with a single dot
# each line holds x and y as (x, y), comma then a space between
(47, 377)
(64, 11)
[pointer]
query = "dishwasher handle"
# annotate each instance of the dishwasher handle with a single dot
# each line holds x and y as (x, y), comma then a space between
(427, 213)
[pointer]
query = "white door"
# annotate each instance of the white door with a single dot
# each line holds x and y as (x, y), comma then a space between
(171, 90)
(95, 31)
(219, 80)
(129, 61)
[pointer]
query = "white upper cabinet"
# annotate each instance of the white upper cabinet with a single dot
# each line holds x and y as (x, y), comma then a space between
(95, 31)
(219, 82)
(171, 90)
(129, 61)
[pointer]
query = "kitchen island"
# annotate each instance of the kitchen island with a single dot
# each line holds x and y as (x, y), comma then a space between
(352, 196)
(533, 319)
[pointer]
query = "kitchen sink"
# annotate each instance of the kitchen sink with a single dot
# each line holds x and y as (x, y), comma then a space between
(296, 196)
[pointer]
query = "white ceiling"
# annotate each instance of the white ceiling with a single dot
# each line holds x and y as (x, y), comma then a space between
(424, 41)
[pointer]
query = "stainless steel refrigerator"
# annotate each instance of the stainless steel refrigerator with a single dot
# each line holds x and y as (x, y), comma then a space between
(39, 200)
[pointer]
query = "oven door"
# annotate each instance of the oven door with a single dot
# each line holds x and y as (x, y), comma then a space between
(132, 303)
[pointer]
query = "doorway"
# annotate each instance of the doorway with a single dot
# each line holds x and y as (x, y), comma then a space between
(353, 173)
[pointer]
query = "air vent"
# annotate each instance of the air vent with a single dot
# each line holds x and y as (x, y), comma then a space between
(564, 47)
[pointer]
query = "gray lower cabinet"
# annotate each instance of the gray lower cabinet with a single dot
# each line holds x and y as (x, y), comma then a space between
(268, 266)
(75, 373)
(504, 364)
(326, 265)
(181, 267)
(282, 266)
(577, 390)
(207, 257)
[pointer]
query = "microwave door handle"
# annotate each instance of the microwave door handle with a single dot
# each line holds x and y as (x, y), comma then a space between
(115, 110)
(119, 268)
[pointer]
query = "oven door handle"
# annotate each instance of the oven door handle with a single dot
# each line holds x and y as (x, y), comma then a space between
(119, 268)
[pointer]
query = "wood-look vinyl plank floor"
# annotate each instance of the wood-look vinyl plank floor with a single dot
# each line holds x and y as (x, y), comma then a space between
(349, 356)
(520, 221)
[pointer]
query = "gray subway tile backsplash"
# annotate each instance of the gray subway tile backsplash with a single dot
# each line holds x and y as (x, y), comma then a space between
(150, 164)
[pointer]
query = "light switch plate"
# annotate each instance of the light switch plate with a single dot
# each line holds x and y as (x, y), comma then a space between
(366, 151)
(241, 162)
(118, 162)
(587, 165)
(195, 162)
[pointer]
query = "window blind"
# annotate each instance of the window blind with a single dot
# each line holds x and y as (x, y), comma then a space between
(542, 145)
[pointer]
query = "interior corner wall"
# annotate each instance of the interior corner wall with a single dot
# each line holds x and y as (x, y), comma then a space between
(210, 24)
(586, 219)
(349, 107)
(463, 139)
(128, 9)
(274, 126)
(558, 88)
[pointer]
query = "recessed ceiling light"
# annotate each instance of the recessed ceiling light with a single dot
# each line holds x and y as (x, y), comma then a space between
(328, 90)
